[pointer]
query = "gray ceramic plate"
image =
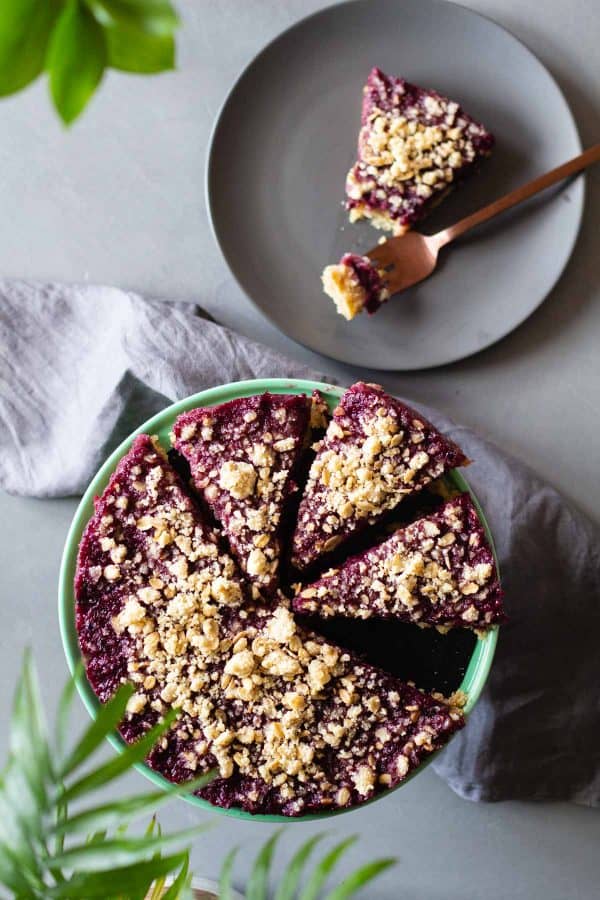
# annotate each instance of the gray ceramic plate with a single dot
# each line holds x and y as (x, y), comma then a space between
(286, 137)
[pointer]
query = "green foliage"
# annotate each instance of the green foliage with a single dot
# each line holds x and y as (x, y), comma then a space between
(44, 852)
(76, 60)
(25, 27)
(294, 885)
(77, 40)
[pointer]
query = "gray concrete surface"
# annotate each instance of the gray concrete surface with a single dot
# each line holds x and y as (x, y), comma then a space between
(120, 200)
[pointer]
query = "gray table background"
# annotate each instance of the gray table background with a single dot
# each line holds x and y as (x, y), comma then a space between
(120, 200)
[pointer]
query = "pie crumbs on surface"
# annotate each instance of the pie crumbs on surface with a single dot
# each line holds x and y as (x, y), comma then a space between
(438, 571)
(376, 450)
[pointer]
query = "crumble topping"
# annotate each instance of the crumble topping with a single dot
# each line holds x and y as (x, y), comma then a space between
(243, 457)
(413, 146)
(239, 478)
(260, 698)
(438, 571)
(354, 284)
(376, 450)
(286, 697)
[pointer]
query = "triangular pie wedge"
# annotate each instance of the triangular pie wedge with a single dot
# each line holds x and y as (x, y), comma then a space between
(438, 571)
(414, 146)
(376, 451)
(323, 730)
(146, 547)
(244, 458)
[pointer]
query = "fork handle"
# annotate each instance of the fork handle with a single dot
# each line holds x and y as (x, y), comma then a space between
(521, 193)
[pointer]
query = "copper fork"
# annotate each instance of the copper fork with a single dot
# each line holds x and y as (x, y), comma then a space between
(413, 257)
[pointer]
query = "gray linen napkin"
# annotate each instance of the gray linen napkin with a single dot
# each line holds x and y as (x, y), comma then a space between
(82, 366)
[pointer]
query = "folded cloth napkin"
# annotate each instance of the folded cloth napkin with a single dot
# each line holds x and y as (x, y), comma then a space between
(81, 367)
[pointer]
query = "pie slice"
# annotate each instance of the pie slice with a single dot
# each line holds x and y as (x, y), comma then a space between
(244, 458)
(146, 544)
(376, 450)
(414, 146)
(439, 571)
(292, 723)
(354, 284)
(329, 730)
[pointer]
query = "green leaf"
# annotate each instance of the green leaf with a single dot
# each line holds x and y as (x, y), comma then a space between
(25, 27)
(21, 820)
(258, 883)
(106, 721)
(156, 891)
(28, 735)
(95, 838)
(135, 51)
(150, 16)
(12, 873)
(225, 892)
(358, 878)
(76, 60)
(182, 881)
(121, 812)
(322, 871)
(292, 879)
(92, 885)
(63, 711)
(107, 853)
(129, 755)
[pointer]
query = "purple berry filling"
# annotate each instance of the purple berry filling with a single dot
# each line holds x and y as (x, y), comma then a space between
(369, 279)
(438, 571)
(376, 451)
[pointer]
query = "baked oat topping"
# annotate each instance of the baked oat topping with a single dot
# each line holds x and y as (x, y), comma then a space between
(414, 146)
(376, 451)
(438, 571)
(260, 698)
(165, 551)
(355, 284)
(244, 456)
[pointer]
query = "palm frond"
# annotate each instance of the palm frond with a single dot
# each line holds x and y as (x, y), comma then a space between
(294, 885)
(63, 712)
(322, 871)
(46, 852)
(291, 881)
(359, 878)
(127, 880)
(258, 883)
(118, 765)
(225, 890)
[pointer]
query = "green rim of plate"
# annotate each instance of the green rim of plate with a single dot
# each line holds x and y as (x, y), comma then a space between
(161, 424)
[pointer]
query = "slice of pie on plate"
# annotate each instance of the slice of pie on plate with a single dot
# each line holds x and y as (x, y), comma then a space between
(438, 571)
(414, 146)
(244, 457)
(376, 451)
